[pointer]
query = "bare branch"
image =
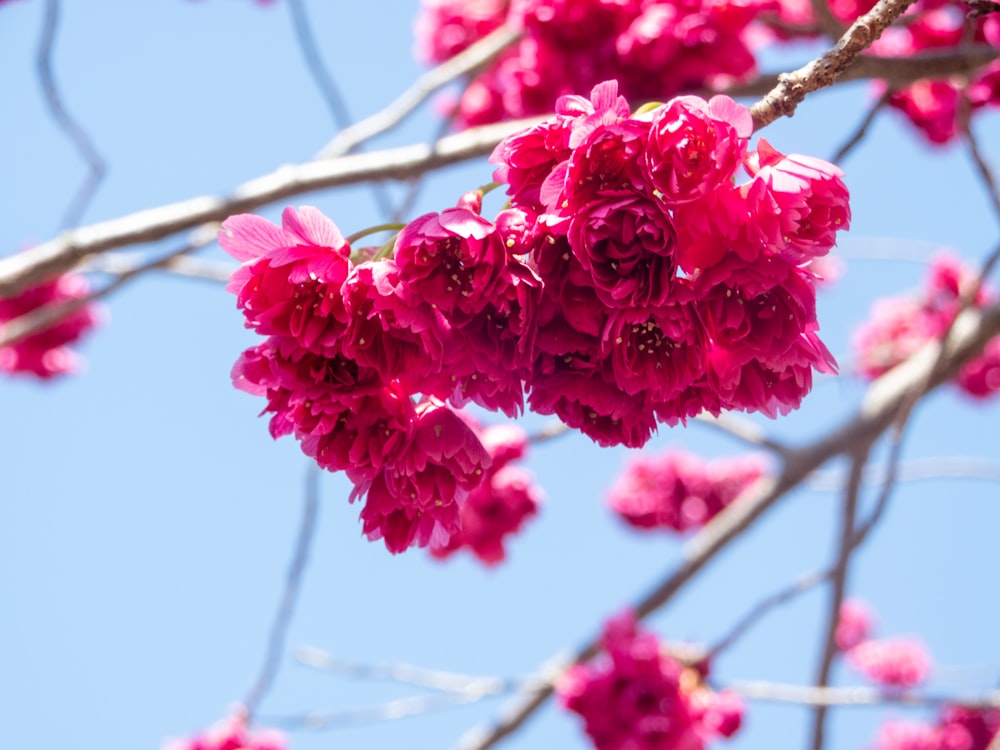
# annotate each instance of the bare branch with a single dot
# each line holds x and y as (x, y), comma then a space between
(293, 581)
(793, 87)
(69, 126)
(744, 430)
(61, 254)
(916, 470)
(854, 696)
(839, 578)
(862, 130)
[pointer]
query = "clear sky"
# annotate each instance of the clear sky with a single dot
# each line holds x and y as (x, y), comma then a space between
(147, 518)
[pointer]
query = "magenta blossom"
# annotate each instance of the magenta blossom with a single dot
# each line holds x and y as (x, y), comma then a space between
(289, 283)
(634, 695)
(47, 353)
(892, 662)
(695, 146)
(854, 624)
(416, 498)
(804, 201)
(678, 491)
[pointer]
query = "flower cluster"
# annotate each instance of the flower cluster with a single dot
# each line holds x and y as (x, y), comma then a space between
(46, 353)
(668, 289)
(679, 491)
(899, 326)
(957, 728)
(638, 696)
(231, 733)
(898, 662)
(630, 283)
(501, 504)
(655, 48)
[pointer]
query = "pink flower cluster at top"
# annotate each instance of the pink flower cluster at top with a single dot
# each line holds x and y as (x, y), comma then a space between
(637, 697)
(957, 728)
(46, 353)
(899, 326)
(630, 283)
(890, 662)
(932, 105)
(505, 499)
(680, 491)
(230, 734)
(655, 48)
(660, 48)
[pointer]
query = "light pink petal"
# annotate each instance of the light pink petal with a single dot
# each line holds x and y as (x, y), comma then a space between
(247, 237)
(724, 108)
(311, 226)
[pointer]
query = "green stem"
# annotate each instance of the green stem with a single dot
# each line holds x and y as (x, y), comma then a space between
(372, 230)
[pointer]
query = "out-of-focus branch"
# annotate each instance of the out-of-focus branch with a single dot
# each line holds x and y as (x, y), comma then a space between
(70, 127)
(289, 596)
(855, 696)
(793, 87)
(743, 625)
(924, 371)
(862, 130)
(839, 578)
(982, 167)
(34, 265)
(45, 317)
(121, 264)
(916, 470)
(432, 679)
(744, 430)
(470, 60)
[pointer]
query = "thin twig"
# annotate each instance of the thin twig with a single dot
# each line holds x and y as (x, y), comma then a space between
(862, 129)
(67, 124)
(119, 264)
(810, 695)
(293, 581)
(328, 88)
(985, 173)
(916, 470)
(785, 595)
(839, 579)
(744, 430)
(464, 63)
(408, 674)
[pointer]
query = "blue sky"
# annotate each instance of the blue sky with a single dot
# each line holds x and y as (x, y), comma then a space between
(147, 518)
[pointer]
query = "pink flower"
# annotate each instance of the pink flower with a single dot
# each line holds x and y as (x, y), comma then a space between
(892, 662)
(446, 27)
(626, 244)
(695, 146)
(290, 280)
(416, 497)
(501, 504)
(907, 735)
(454, 260)
(678, 491)
(46, 353)
(854, 624)
(634, 695)
(804, 194)
(232, 733)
